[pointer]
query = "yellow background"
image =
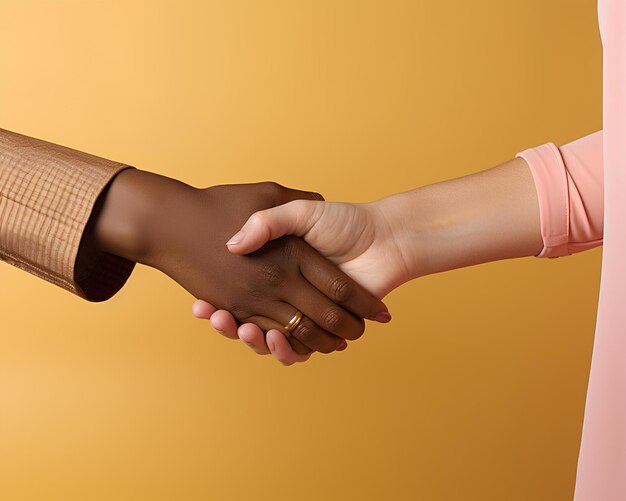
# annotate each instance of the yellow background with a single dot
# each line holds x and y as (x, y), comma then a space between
(474, 392)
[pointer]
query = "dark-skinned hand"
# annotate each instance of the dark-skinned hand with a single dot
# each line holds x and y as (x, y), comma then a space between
(182, 231)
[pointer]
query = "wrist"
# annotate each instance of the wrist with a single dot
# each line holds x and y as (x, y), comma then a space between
(414, 224)
(395, 236)
(128, 223)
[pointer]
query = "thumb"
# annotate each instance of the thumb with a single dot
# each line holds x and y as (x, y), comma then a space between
(294, 218)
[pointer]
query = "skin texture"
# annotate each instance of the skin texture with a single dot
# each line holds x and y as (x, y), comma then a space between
(181, 230)
(487, 216)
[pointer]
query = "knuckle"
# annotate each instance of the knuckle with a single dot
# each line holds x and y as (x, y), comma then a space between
(259, 221)
(256, 219)
(340, 290)
(273, 188)
(272, 274)
(256, 294)
(270, 185)
(302, 211)
(332, 319)
(304, 333)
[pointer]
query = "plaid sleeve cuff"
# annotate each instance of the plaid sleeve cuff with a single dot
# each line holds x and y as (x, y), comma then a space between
(47, 195)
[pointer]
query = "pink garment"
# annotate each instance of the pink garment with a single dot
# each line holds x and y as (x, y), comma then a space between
(572, 195)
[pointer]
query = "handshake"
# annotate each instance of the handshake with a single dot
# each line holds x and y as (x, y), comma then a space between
(279, 268)
(290, 274)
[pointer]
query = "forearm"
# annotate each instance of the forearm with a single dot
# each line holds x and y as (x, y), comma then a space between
(487, 216)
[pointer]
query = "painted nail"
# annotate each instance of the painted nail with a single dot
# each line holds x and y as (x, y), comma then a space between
(236, 239)
(383, 317)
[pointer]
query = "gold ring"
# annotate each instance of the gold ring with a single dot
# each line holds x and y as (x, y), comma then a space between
(293, 323)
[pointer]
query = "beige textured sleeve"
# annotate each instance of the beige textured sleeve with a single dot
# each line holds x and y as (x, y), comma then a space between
(47, 194)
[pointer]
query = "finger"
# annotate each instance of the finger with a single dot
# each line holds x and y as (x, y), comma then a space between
(308, 332)
(282, 350)
(202, 309)
(224, 323)
(254, 338)
(268, 324)
(294, 218)
(331, 317)
(340, 288)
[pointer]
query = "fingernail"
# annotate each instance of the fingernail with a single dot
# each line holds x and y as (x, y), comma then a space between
(383, 317)
(271, 346)
(342, 346)
(236, 239)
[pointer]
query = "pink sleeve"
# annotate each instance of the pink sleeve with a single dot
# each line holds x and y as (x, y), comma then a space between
(570, 188)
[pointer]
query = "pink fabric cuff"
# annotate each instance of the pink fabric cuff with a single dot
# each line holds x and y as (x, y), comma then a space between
(550, 175)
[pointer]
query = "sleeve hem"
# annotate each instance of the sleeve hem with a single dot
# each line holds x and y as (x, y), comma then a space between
(549, 173)
(99, 275)
(48, 193)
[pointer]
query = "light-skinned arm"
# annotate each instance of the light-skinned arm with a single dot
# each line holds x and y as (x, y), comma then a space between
(545, 202)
